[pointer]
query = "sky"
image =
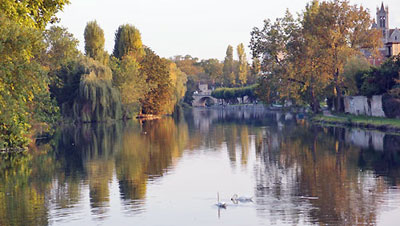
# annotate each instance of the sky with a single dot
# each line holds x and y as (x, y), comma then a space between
(200, 28)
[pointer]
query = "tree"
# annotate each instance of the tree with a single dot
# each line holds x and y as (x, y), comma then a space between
(88, 94)
(21, 79)
(379, 80)
(243, 67)
(61, 48)
(128, 41)
(34, 14)
(130, 82)
(341, 31)
(24, 95)
(307, 56)
(157, 99)
(254, 72)
(352, 72)
(213, 68)
(227, 70)
(94, 42)
(188, 64)
(178, 82)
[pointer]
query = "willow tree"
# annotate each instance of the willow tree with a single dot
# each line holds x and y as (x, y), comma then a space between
(96, 99)
(94, 42)
(243, 67)
(128, 41)
(178, 81)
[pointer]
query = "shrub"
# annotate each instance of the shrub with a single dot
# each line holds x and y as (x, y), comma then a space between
(391, 106)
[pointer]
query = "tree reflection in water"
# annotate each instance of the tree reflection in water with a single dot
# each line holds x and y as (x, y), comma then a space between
(303, 173)
(313, 172)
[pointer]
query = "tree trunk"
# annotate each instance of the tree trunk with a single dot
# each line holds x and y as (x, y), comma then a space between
(338, 107)
(314, 102)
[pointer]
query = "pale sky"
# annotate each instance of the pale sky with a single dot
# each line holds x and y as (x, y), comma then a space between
(201, 28)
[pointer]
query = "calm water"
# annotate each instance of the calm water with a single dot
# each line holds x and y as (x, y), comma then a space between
(168, 172)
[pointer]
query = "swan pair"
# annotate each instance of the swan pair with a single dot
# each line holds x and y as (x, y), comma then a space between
(235, 199)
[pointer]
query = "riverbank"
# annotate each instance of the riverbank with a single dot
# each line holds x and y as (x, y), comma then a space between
(378, 123)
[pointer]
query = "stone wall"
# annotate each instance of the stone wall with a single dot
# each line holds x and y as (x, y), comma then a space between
(361, 105)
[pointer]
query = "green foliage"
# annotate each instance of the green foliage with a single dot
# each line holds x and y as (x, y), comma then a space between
(61, 47)
(21, 80)
(227, 70)
(231, 94)
(351, 72)
(380, 80)
(34, 14)
(305, 57)
(243, 67)
(24, 95)
(94, 42)
(131, 84)
(191, 87)
(255, 70)
(85, 92)
(391, 106)
(97, 100)
(128, 41)
(178, 82)
(213, 70)
(158, 98)
(60, 54)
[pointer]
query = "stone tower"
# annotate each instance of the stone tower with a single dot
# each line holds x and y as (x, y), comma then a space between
(382, 20)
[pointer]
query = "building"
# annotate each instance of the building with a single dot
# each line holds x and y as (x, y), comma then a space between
(390, 37)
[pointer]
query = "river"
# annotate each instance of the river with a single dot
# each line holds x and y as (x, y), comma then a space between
(169, 171)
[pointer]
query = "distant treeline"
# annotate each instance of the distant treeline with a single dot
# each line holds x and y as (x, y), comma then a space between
(215, 73)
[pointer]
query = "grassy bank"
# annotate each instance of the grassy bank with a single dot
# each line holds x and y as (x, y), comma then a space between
(385, 124)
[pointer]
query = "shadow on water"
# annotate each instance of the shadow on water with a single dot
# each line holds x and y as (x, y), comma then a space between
(302, 173)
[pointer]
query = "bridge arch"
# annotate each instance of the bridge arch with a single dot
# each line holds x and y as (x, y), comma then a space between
(203, 100)
(207, 101)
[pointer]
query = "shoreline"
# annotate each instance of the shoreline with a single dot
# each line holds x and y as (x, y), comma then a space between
(364, 122)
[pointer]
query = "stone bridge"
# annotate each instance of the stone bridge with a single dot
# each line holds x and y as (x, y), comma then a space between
(202, 98)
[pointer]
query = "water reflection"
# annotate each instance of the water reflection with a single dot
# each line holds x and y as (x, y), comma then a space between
(302, 173)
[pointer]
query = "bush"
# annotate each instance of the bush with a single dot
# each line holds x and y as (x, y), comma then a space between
(231, 94)
(377, 81)
(391, 106)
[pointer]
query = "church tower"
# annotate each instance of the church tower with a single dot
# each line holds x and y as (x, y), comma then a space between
(382, 20)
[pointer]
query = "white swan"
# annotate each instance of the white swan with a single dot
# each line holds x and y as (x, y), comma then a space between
(220, 204)
(236, 199)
